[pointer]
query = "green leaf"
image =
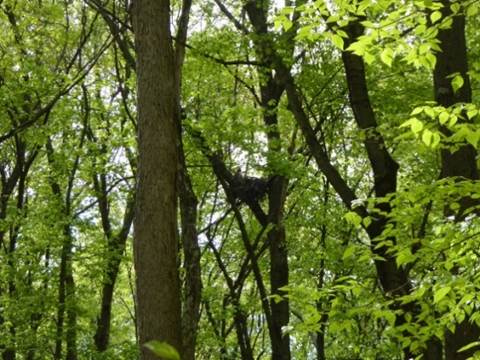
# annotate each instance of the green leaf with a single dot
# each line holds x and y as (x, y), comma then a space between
(282, 21)
(390, 317)
(435, 140)
(435, 16)
(349, 251)
(417, 110)
(443, 117)
(415, 124)
(404, 257)
(455, 7)
(440, 294)
(427, 137)
(457, 82)
(469, 346)
(473, 137)
(472, 10)
(387, 56)
(453, 120)
(430, 112)
(367, 221)
(368, 58)
(358, 48)
(353, 218)
(163, 349)
(337, 41)
(431, 59)
(472, 113)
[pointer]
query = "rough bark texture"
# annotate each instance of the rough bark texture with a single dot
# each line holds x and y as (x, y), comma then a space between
(460, 163)
(155, 245)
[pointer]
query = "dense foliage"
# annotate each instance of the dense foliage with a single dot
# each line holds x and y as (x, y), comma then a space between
(328, 156)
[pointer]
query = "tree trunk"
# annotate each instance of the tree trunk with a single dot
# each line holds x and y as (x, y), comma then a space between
(66, 284)
(116, 248)
(460, 163)
(192, 286)
(8, 185)
(156, 245)
(191, 263)
(278, 244)
(271, 91)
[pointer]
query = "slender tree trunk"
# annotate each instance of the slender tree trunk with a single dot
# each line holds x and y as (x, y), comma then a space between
(271, 92)
(453, 59)
(71, 333)
(279, 272)
(192, 286)
(155, 224)
(278, 250)
(9, 183)
(191, 263)
(66, 284)
(115, 248)
(320, 338)
(394, 279)
(66, 302)
(102, 333)
(241, 328)
(459, 163)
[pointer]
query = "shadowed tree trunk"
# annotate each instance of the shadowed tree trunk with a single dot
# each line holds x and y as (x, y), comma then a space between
(459, 163)
(270, 94)
(66, 286)
(192, 284)
(115, 249)
(9, 183)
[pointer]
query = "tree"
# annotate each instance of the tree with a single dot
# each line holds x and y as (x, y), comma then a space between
(156, 247)
(321, 156)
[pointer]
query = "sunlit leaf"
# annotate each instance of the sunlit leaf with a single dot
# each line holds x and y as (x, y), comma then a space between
(163, 349)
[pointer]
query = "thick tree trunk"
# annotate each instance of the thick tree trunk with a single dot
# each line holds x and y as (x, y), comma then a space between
(156, 245)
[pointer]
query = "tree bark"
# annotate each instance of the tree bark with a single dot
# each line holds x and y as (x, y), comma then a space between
(271, 91)
(192, 286)
(115, 248)
(460, 163)
(156, 245)
(66, 283)
(453, 59)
